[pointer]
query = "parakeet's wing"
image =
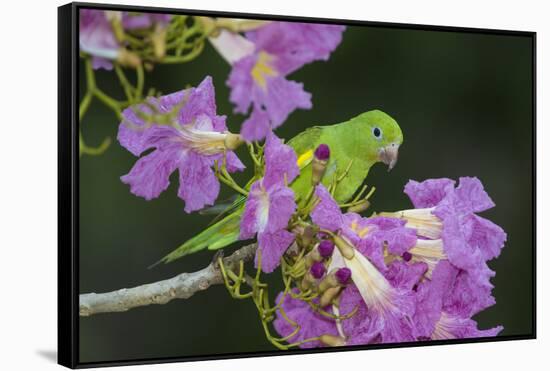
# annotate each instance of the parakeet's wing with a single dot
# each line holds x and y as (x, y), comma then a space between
(216, 236)
(304, 144)
(223, 209)
(220, 207)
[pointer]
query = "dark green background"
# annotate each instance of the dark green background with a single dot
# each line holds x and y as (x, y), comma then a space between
(464, 103)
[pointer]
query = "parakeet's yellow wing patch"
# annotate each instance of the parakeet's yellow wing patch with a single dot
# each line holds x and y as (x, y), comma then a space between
(304, 145)
(304, 159)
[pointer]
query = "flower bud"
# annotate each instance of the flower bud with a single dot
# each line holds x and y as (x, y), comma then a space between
(322, 152)
(158, 39)
(312, 257)
(336, 278)
(346, 249)
(359, 207)
(311, 278)
(317, 270)
(305, 236)
(315, 273)
(326, 248)
(307, 281)
(332, 340)
(319, 164)
(233, 141)
(329, 296)
(343, 275)
(128, 59)
(407, 256)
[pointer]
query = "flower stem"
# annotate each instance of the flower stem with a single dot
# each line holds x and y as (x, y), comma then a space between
(109, 102)
(140, 81)
(93, 151)
(126, 86)
(84, 105)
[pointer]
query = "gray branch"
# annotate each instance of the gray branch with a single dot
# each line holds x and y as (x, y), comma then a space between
(181, 286)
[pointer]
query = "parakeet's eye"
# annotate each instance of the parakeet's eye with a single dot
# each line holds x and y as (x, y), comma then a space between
(377, 133)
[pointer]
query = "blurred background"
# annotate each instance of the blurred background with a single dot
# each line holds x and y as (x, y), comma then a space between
(464, 103)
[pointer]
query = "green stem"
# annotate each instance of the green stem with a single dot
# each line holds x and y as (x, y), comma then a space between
(232, 185)
(140, 81)
(93, 151)
(128, 88)
(184, 58)
(109, 102)
(253, 155)
(84, 105)
(224, 176)
(90, 78)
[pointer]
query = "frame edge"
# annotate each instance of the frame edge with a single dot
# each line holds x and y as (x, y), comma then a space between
(67, 344)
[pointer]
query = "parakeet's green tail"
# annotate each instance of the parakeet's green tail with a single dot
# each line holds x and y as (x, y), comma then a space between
(217, 236)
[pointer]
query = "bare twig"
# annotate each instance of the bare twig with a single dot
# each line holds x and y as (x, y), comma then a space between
(181, 286)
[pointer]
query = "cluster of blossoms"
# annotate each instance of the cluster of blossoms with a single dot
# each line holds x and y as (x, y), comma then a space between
(101, 34)
(262, 54)
(262, 60)
(193, 138)
(411, 275)
(416, 274)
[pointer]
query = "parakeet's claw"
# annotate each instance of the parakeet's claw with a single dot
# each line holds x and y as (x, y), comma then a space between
(388, 155)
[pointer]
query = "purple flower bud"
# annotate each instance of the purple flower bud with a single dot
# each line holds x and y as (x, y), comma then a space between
(317, 270)
(326, 248)
(322, 152)
(343, 275)
(407, 256)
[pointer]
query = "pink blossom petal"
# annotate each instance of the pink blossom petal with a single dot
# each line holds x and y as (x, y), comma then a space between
(428, 193)
(281, 207)
(327, 213)
(452, 327)
(429, 298)
(233, 163)
(272, 246)
(96, 37)
(470, 191)
(487, 235)
(281, 98)
(150, 175)
(253, 207)
(405, 275)
(200, 100)
(257, 126)
(199, 186)
(241, 84)
(470, 293)
(312, 324)
(280, 162)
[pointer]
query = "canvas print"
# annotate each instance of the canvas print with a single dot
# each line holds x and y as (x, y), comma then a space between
(266, 185)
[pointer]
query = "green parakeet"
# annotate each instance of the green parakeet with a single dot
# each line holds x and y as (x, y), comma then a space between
(363, 141)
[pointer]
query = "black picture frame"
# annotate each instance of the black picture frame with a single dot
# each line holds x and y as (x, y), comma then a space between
(68, 182)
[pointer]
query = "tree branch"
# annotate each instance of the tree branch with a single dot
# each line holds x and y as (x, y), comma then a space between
(181, 286)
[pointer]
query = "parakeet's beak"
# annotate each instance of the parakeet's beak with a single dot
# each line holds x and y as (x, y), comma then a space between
(388, 155)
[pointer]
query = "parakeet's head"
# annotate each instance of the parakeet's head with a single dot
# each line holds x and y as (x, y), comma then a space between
(383, 136)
